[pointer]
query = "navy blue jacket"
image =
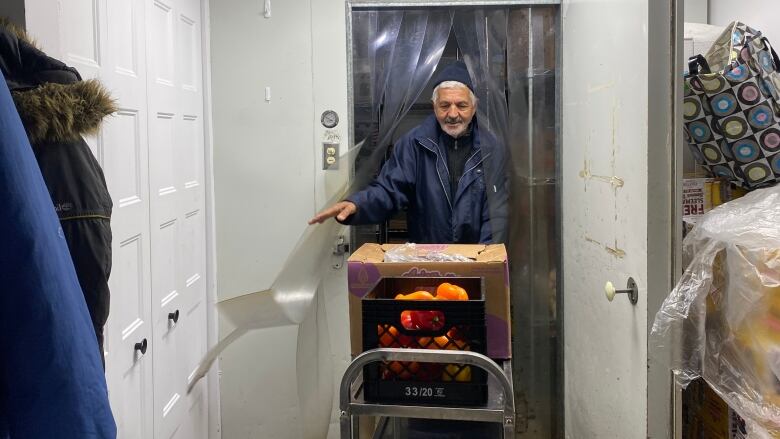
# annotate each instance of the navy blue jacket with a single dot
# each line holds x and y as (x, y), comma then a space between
(51, 378)
(416, 177)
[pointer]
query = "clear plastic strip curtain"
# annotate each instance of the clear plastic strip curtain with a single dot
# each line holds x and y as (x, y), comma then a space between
(481, 35)
(511, 54)
(534, 234)
(402, 48)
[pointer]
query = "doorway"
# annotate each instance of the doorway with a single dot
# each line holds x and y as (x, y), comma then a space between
(512, 54)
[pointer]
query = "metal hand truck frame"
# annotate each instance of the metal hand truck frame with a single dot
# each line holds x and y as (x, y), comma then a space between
(500, 407)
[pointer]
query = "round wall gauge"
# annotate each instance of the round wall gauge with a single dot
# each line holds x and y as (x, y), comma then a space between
(329, 119)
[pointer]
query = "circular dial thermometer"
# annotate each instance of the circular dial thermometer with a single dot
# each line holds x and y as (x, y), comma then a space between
(329, 119)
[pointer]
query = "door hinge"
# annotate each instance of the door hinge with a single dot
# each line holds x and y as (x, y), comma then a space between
(340, 249)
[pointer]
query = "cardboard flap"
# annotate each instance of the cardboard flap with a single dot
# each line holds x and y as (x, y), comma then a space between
(368, 253)
(470, 251)
(493, 253)
(479, 252)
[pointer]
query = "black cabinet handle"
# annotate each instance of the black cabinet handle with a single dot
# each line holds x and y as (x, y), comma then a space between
(174, 316)
(141, 347)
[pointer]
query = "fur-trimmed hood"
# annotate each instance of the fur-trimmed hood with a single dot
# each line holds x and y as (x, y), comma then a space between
(55, 105)
(61, 113)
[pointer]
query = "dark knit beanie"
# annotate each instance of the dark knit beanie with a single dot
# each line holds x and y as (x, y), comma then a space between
(455, 71)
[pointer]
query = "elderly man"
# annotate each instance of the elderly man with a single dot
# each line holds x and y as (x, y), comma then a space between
(436, 171)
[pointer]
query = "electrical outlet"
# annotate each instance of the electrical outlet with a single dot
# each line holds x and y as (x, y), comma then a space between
(330, 156)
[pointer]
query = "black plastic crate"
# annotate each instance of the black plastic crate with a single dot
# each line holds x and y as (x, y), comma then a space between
(445, 324)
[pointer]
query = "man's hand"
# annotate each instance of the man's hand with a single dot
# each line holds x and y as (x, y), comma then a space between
(341, 210)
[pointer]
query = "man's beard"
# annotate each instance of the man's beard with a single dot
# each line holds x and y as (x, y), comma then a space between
(454, 131)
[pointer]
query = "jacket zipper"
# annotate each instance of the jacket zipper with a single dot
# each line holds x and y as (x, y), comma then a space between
(438, 156)
(482, 159)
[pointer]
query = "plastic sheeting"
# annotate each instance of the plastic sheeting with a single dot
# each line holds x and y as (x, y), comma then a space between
(286, 302)
(533, 247)
(403, 48)
(482, 35)
(409, 252)
(723, 317)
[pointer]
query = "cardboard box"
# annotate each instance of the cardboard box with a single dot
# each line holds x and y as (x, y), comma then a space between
(366, 267)
(707, 416)
(696, 197)
(700, 195)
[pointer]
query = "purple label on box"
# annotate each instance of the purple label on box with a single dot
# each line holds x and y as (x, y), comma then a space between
(361, 277)
(497, 337)
(424, 272)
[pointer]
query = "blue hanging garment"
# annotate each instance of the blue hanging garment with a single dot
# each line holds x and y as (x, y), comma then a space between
(51, 379)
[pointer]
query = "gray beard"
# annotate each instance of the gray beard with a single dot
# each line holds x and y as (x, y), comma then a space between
(462, 133)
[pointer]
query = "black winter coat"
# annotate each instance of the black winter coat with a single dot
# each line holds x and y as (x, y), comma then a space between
(57, 109)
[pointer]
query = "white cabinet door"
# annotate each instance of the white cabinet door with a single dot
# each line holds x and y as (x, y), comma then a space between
(616, 210)
(177, 210)
(123, 148)
(81, 44)
(165, 192)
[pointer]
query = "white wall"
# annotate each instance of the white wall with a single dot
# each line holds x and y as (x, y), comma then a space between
(45, 19)
(763, 15)
(258, 144)
(268, 183)
(606, 130)
(695, 11)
